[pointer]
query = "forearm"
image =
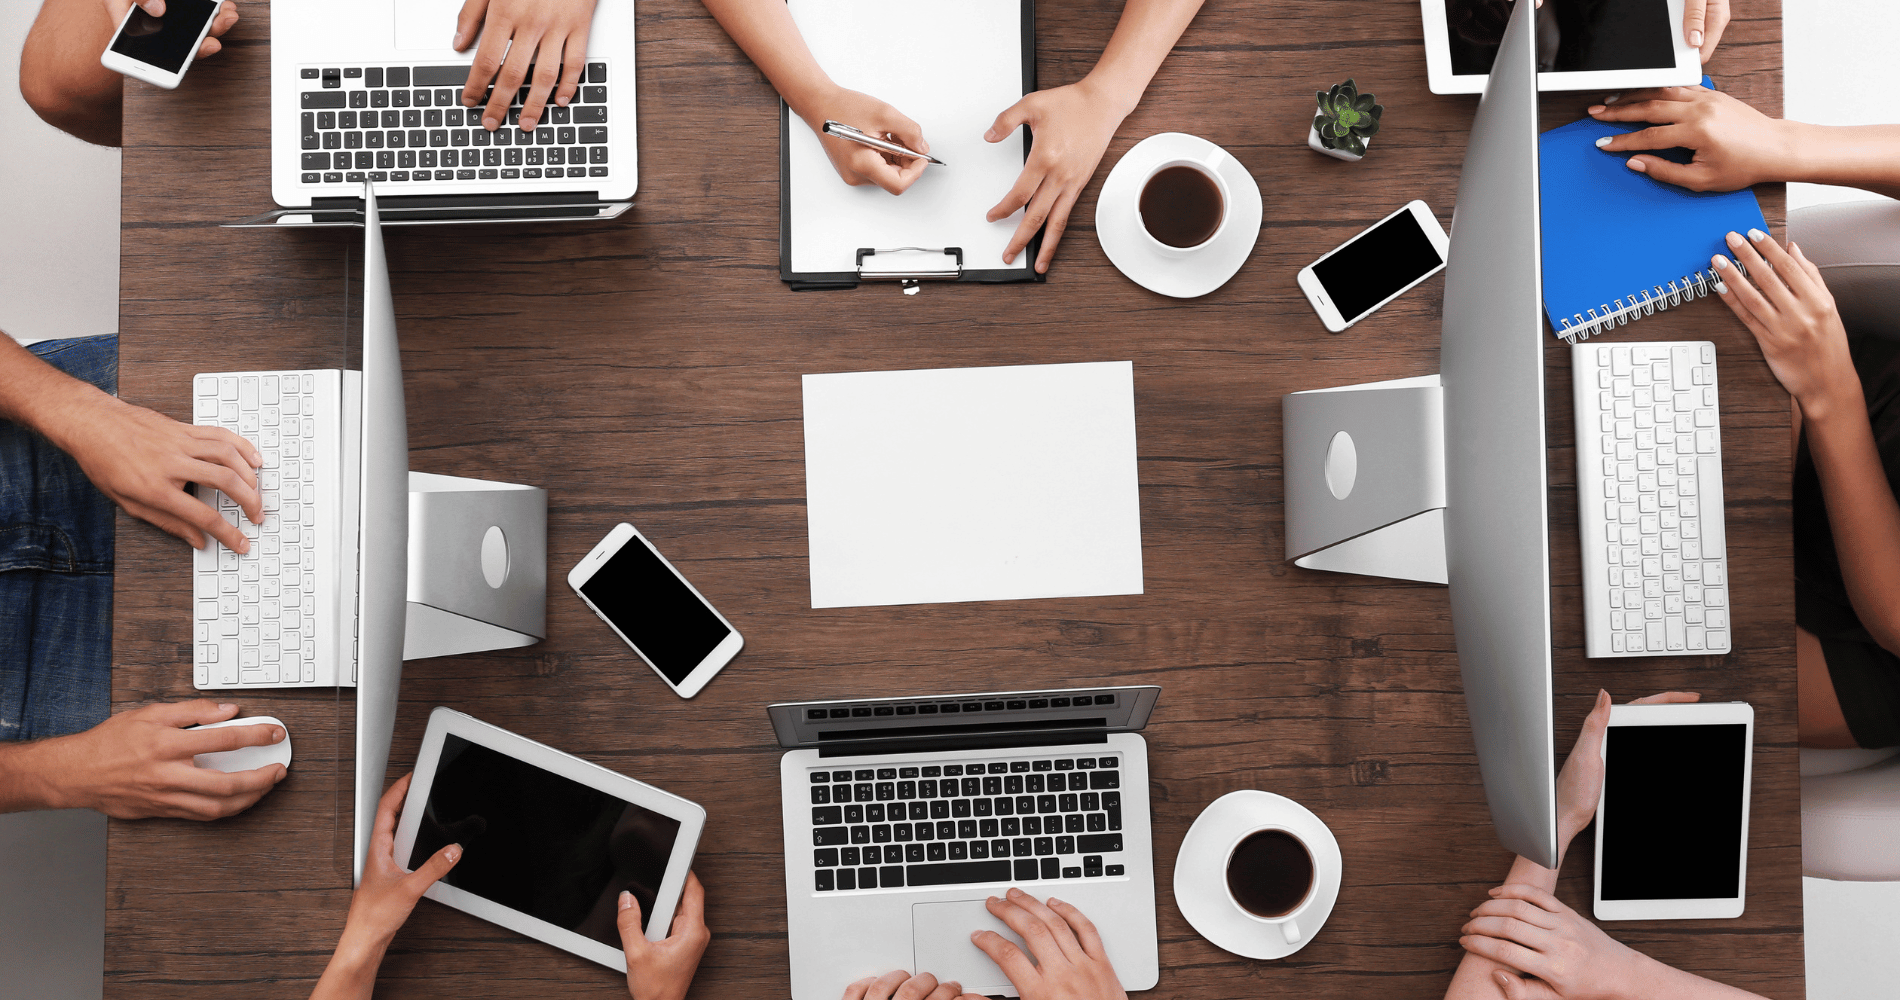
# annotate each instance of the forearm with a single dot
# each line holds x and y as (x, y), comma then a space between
(40, 396)
(351, 974)
(1861, 511)
(60, 74)
(1143, 38)
(764, 29)
(1861, 156)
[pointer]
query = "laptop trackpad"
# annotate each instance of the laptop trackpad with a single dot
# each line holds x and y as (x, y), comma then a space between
(427, 24)
(940, 937)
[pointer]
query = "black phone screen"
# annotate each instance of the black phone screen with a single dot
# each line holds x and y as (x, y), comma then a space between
(655, 610)
(541, 844)
(1376, 265)
(164, 42)
(1672, 811)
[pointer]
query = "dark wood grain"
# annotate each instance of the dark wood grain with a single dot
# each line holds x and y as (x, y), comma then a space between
(649, 370)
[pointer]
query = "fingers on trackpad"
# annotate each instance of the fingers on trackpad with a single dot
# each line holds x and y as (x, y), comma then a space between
(940, 936)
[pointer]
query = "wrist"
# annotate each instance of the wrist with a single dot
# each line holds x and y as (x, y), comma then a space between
(1836, 399)
(25, 782)
(359, 947)
(75, 413)
(809, 97)
(1795, 146)
(1112, 91)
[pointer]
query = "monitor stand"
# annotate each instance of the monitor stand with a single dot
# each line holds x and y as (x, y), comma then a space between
(478, 566)
(1365, 479)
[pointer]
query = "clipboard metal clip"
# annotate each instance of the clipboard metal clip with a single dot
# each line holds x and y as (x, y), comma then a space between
(904, 264)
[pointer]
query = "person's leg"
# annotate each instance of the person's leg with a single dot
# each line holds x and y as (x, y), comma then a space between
(1820, 722)
(56, 547)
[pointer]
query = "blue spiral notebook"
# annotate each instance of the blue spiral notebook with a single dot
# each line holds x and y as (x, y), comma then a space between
(1619, 245)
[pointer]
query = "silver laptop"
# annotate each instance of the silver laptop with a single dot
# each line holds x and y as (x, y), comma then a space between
(902, 815)
(370, 91)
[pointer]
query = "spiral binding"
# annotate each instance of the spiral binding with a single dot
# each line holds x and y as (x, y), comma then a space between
(1584, 325)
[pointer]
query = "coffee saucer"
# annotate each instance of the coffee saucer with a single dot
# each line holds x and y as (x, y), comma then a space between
(1200, 872)
(1118, 226)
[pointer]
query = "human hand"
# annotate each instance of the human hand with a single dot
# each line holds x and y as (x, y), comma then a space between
(1580, 783)
(903, 986)
(1735, 145)
(1070, 961)
(550, 35)
(858, 163)
(387, 893)
(137, 764)
(663, 970)
(1703, 22)
(1527, 929)
(226, 17)
(143, 460)
(1785, 304)
(1072, 126)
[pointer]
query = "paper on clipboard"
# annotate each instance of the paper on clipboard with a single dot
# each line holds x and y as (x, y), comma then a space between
(952, 67)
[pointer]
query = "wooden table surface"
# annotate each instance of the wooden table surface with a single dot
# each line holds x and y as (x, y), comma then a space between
(648, 370)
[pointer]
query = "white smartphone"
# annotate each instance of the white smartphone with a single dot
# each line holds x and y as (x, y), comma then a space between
(158, 50)
(1672, 822)
(1381, 263)
(629, 585)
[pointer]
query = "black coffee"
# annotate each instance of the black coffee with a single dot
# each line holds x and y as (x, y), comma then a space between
(1181, 207)
(1270, 873)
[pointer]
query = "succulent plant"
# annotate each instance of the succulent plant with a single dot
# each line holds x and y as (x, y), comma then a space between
(1346, 118)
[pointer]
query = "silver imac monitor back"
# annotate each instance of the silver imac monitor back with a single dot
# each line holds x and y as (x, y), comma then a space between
(383, 537)
(1497, 543)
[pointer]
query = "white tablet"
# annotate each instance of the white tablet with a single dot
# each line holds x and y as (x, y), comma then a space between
(1606, 45)
(549, 841)
(1672, 824)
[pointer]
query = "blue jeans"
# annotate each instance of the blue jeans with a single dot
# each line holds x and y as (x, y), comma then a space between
(55, 569)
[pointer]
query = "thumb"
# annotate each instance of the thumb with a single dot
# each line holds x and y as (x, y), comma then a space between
(437, 866)
(632, 937)
(1688, 175)
(1519, 988)
(1013, 116)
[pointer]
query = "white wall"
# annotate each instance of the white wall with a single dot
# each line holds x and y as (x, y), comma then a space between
(59, 213)
(1839, 69)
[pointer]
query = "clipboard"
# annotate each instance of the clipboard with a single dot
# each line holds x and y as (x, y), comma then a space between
(904, 245)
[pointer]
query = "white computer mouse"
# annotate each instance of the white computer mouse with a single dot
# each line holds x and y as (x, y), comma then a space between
(247, 758)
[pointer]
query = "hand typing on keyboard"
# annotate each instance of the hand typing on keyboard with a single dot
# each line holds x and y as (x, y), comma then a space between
(138, 764)
(549, 36)
(143, 460)
(1070, 962)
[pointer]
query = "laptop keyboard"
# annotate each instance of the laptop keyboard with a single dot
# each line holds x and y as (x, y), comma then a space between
(405, 124)
(1026, 820)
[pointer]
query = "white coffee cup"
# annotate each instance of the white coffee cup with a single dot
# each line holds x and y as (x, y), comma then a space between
(1209, 166)
(1294, 923)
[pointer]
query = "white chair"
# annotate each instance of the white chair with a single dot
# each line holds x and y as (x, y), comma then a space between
(1850, 799)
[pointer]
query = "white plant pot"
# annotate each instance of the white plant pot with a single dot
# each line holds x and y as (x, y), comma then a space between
(1312, 140)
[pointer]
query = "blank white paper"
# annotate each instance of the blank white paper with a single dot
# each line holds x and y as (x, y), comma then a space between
(972, 484)
(951, 66)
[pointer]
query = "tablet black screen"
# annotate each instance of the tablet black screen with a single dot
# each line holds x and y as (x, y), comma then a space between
(542, 844)
(1672, 811)
(1573, 36)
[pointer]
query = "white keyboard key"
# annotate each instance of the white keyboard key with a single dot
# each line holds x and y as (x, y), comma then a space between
(1718, 640)
(228, 388)
(269, 394)
(1653, 635)
(1695, 636)
(1674, 635)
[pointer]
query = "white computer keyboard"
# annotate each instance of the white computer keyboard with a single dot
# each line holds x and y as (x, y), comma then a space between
(280, 615)
(1649, 499)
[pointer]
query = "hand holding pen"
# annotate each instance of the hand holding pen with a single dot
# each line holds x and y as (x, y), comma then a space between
(856, 161)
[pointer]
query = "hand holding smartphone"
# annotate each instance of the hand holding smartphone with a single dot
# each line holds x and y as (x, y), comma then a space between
(1353, 280)
(158, 48)
(631, 587)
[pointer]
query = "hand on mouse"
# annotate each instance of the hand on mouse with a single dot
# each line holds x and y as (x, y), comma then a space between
(1070, 961)
(381, 904)
(662, 970)
(138, 764)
